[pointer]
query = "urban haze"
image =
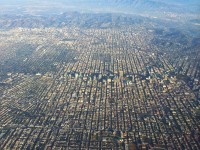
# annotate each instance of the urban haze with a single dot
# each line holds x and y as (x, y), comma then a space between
(99, 75)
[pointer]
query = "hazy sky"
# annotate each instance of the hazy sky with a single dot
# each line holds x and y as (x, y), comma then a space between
(126, 6)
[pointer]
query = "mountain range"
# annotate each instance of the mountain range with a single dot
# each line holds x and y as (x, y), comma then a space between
(119, 6)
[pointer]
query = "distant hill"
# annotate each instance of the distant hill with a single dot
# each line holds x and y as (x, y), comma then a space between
(84, 20)
(118, 6)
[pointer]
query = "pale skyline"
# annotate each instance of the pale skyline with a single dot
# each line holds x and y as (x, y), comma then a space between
(118, 6)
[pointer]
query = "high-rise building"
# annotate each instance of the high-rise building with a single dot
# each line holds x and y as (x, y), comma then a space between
(121, 73)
